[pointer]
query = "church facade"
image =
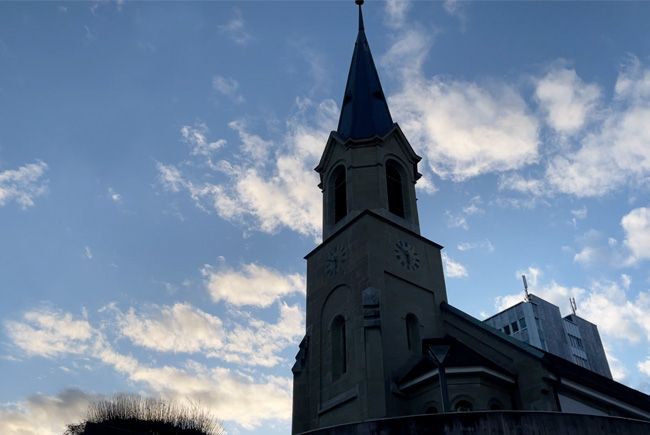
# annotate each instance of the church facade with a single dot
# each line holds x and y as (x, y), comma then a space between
(382, 342)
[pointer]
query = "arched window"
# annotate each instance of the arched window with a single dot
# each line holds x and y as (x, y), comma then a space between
(463, 406)
(339, 191)
(412, 332)
(339, 348)
(395, 188)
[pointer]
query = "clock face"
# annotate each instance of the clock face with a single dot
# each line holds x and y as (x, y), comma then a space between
(335, 258)
(407, 255)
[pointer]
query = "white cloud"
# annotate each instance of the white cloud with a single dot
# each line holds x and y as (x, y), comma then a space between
(235, 29)
(594, 249)
(565, 99)
(396, 12)
(176, 328)
(465, 129)
(23, 185)
(253, 284)
(44, 415)
(518, 183)
(636, 225)
(88, 254)
(644, 367)
(252, 144)
(226, 393)
(615, 154)
(170, 177)
(453, 269)
(618, 369)
(114, 196)
(269, 186)
(259, 343)
(182, 328)
(49, 333)
(196, 137)
(227, 86)
(483, 244)
(587, 255)
(579, 214)
(459, 220)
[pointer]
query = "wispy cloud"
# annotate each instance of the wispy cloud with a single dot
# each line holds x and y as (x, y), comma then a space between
(114, 196)
(196, 136)
(396, 12)
(49, 333)
(458, 124)
(609, 148)
(23, 185)
(227, 86)
(566, 100)
(176, 328)
(252, 284)
(235, 29)
(453, 269)
(270, 183)
(483, 245)
(459, 219)
(636, 225)
(44, 415)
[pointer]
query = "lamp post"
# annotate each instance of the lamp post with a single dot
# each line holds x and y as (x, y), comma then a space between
(437, 353)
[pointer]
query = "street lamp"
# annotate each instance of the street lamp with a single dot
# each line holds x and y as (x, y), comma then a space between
(437, 353)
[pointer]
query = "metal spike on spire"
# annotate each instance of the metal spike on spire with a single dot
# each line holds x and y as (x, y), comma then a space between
(364, 113)
(360, 3)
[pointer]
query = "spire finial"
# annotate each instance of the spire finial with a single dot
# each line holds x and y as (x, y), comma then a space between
(359, 3)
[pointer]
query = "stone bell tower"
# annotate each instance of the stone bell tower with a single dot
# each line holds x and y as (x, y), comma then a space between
(374, 285)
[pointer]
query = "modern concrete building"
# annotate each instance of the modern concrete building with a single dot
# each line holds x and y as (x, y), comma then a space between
(383, 346)
(539, 323)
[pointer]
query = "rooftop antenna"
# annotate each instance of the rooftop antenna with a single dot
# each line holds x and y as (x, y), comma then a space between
(523, 277)
(574, 306)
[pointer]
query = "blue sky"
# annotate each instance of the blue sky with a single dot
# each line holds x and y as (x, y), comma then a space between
(157, 193)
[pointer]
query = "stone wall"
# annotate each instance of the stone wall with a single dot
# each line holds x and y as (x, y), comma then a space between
(493, 422)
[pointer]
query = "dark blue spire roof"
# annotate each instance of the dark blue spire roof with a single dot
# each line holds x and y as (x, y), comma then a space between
(364, 112)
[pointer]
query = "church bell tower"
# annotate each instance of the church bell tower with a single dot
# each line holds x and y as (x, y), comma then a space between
(374, 285)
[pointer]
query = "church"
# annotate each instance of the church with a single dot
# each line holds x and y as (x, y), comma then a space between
(384, 351)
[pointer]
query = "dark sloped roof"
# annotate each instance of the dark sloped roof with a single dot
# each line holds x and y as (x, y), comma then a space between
(561, 367)
(364, 112)
(459, 355)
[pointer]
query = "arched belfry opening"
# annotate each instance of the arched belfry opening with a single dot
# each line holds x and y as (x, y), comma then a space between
(395, 187)
(339, 348)
(338, 190)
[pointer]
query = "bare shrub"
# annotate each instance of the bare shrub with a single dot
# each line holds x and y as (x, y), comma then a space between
(132, 414)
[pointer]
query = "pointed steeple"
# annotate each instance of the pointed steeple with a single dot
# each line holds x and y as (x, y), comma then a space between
(364, 112)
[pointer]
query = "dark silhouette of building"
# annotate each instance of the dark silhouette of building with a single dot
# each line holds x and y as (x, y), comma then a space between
(382, 345)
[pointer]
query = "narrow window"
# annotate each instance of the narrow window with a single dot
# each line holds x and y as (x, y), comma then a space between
(522, 323)
(340, 194)
(506, 329)
(514, 326)
(339, 351)
(412, 332)
(394, 184)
